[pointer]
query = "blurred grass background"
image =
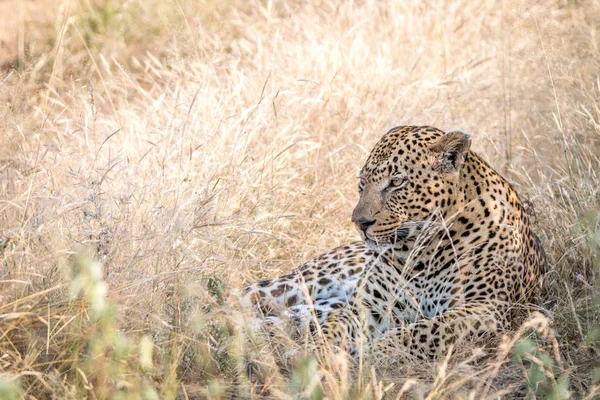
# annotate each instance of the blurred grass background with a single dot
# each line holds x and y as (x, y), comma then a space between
(154, 154)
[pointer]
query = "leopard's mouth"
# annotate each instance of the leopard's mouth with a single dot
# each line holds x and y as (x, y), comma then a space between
(405, 231)
(402, 232)
(375, 245)
(383, 243)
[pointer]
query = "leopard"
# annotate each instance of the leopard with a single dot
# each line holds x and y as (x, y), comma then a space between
(447, 252)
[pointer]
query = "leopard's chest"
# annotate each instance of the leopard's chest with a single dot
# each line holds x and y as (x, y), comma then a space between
(428, 287)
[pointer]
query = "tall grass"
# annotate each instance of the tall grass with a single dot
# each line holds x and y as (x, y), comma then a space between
(156, 154)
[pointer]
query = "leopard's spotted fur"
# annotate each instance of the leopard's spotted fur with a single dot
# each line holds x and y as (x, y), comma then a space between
(446, 252)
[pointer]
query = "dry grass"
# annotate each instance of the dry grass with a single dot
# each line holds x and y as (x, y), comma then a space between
(184, 145)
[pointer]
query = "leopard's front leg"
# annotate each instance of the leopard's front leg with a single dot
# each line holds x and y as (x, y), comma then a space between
(429, 338)
(359, 328)
(382, 300)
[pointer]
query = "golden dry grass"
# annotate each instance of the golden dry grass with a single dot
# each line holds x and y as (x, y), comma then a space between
(191, 145)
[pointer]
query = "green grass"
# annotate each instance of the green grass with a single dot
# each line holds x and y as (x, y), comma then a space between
(154, 155)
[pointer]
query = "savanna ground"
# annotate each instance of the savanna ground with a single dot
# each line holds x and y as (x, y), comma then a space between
(154, 154)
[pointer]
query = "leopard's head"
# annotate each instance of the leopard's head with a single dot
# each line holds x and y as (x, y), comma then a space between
(411, 176)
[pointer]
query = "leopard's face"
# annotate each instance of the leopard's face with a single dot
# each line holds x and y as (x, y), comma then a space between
(411, 175)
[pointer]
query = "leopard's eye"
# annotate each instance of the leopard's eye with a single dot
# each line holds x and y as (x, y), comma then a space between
(397, 182)
(361, 185)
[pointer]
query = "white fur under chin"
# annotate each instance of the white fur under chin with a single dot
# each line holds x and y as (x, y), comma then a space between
(375, 246)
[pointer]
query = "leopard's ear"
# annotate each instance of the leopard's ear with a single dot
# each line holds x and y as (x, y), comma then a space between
(450, 151)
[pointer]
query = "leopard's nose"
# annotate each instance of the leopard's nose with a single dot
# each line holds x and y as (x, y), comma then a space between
(364, 224)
